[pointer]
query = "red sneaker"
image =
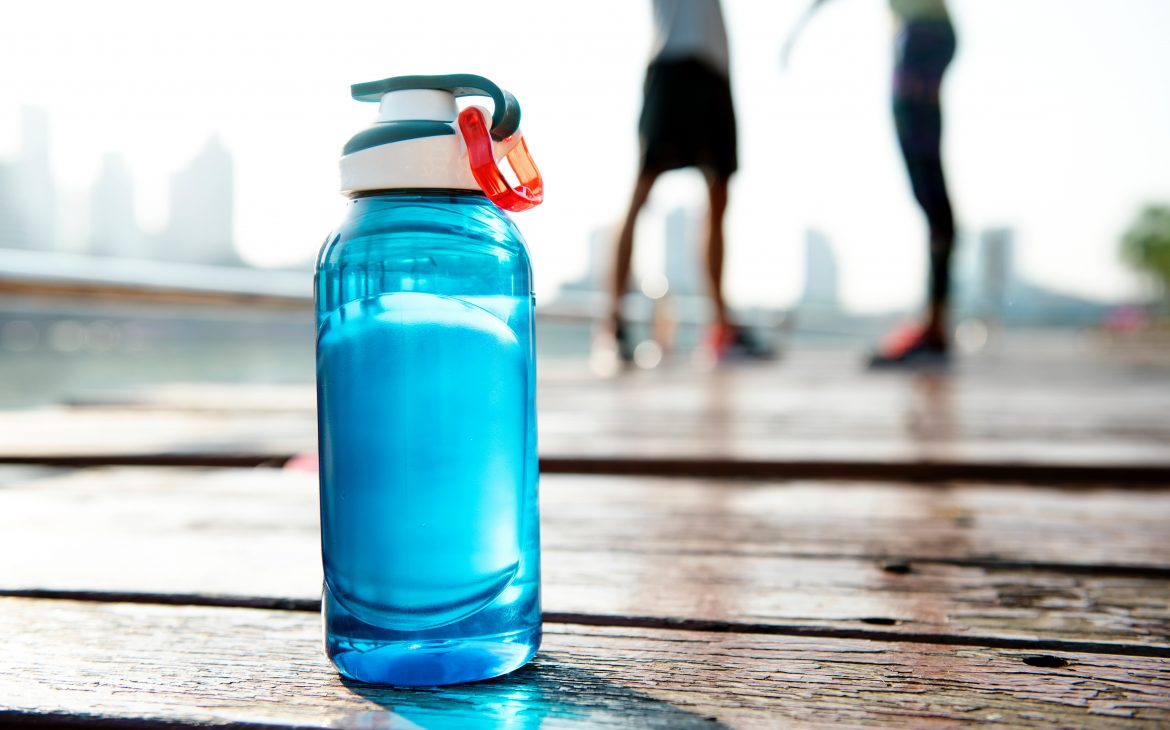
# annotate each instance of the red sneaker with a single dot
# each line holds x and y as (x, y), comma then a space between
(909, 346)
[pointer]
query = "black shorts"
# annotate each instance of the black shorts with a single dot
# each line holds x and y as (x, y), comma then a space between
(687, 119)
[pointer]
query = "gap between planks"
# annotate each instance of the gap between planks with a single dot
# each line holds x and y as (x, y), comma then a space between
(65, 721)
(1069, 476)
(904, 564)
(644, 622)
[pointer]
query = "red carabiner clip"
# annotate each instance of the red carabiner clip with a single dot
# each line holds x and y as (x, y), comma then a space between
(529, 194)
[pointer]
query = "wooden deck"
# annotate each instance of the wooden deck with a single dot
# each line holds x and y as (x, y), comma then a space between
(757, 547)
(815, 416)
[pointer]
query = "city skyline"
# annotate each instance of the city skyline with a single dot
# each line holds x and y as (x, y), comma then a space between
(34, 215)
(199, 230)
(1061, 145)
(989, 286)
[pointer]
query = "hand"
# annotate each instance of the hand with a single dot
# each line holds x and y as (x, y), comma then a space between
(786, 49)
(786, 52)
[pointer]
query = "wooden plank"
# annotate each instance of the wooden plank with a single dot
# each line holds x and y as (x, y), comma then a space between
(120, 662)
(1024, 420)
(96, 434)
(962, 523)
(814, 419)
(972, 565)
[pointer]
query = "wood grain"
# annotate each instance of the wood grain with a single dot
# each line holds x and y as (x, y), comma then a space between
(189, 665)
(888, 562)
(1036, 421)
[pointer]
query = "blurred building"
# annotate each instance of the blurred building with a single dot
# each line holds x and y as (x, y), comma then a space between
(988, 285)
(600, 258)
(821, 275)
(28, 194)
(681, 260)
(598, 263)
(11, 223)
(113, 228)
(202, 210)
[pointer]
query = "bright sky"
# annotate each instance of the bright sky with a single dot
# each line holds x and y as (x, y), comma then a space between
(1057, 112)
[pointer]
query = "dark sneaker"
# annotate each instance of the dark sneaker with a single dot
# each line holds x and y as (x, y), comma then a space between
(909, 348)
(613, 350)
(624, 342)
(732, 344)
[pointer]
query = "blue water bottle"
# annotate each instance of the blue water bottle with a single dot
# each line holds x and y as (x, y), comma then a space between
(426, 393)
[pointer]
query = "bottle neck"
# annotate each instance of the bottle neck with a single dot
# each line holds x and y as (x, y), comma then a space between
(396, 192)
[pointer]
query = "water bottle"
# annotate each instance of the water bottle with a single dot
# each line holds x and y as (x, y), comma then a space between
(426, 393)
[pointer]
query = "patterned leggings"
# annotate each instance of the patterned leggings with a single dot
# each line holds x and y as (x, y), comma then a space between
(924, 49)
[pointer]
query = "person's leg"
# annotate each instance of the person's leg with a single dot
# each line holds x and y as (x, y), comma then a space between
(919, 125)
(727, 341)
(924, 51)
(716, 210)
(624, 250)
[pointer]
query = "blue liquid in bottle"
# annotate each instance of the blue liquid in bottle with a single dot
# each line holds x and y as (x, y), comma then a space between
(426, 408)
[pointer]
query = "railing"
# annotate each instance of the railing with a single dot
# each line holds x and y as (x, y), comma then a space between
(34, 273)
(79, 277)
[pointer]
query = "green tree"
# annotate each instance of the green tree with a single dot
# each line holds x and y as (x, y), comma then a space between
(1146, 245)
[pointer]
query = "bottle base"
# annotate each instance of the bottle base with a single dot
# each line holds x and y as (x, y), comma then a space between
(433, 662)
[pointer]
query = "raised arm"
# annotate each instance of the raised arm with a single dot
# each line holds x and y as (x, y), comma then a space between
(786, 50)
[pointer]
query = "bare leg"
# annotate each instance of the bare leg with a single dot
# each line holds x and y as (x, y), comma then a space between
(624, 250)
(717, 200)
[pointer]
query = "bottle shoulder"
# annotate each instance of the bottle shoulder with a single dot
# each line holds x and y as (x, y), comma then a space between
(409, 224)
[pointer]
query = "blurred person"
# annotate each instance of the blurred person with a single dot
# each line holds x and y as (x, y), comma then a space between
(688, 120)
(923, 48)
